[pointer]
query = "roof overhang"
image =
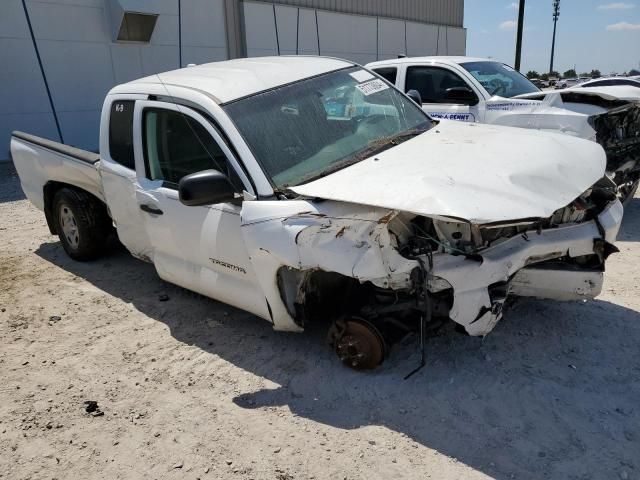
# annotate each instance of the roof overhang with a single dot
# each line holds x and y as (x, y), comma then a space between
(133, 20)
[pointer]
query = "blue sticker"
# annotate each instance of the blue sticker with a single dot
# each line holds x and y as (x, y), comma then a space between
(460, 117)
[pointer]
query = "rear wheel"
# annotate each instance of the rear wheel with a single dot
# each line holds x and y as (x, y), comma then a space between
(82, 223)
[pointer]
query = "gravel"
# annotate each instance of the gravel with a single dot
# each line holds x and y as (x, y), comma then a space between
(227, 393)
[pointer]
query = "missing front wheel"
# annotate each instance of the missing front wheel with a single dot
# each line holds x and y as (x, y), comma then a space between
(358, 343)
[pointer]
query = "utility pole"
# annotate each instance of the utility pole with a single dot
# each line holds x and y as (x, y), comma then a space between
(519, 37)
(556, 14)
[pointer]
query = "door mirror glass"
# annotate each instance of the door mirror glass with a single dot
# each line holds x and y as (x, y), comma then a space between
(415, 96)
(208, 187)
(461, 95)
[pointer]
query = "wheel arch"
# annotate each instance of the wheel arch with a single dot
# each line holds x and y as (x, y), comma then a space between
(49, 192)
(311, 294)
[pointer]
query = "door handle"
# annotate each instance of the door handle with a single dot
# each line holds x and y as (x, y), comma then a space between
(149, 209)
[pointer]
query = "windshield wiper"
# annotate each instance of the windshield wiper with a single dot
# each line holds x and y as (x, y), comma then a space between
(376, 146)
(385, 143)
(399, 138)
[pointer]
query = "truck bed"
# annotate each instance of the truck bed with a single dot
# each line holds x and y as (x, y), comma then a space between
(39, 161)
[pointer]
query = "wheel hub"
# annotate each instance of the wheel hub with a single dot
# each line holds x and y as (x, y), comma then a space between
(69, 226)
(360, 346)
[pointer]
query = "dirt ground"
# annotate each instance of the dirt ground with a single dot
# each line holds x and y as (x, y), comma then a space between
(190, 388)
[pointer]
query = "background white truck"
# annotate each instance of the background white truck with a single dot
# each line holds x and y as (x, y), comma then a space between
(251, 182)
(479, 90)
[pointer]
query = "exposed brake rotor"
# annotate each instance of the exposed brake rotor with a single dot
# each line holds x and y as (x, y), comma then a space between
(358, 343)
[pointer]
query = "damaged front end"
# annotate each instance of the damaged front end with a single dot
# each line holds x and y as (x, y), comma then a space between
(561, 257)
(374, 274)
(618, 132)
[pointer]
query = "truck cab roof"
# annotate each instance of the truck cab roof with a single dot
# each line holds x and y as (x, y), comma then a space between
(440, 59)
(231, 80)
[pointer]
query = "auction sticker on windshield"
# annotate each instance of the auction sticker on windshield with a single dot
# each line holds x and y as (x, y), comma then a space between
(371, 87)
(361, 75)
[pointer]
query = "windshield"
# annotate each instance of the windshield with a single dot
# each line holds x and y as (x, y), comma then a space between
(308, 129)
(500, 79)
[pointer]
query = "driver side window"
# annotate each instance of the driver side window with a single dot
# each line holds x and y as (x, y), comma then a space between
(432, 83)
(176, 145)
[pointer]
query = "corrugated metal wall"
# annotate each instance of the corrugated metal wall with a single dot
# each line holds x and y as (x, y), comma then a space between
(441, 12)
(192, 30)
(273, 29)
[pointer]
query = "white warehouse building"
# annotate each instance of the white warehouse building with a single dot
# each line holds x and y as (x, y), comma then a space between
(60, 57)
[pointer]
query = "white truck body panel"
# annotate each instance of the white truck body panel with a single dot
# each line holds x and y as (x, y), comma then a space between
(354, 241)
(557, 284)
(233, 252)
(351, 240)
(508, 258)
(234, 79)
(36, 165)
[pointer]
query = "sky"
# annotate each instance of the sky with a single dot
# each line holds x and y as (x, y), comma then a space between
(592, 34)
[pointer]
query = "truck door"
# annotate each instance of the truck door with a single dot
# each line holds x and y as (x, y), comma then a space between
(118, 173)
(199, 248)
(444, 93)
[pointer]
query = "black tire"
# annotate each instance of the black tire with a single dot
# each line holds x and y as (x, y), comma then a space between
(82, 223)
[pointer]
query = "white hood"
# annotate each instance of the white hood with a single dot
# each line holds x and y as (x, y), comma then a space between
(479, 173)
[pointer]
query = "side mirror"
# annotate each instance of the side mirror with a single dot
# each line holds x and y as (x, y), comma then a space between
(461, 95)
(415, 96)
(205, 188)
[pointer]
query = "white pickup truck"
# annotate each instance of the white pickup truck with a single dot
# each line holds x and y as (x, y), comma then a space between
(479, 90)
(250, 182)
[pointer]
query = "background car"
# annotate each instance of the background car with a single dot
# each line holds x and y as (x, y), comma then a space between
(567, 83)
(611, 82)
(479, 90)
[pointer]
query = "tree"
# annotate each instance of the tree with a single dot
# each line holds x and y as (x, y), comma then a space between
(595, 73)
(571, 73)
(544, 76)
(533, 74)
(554, 74)
(634, 72)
